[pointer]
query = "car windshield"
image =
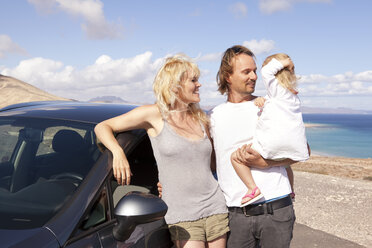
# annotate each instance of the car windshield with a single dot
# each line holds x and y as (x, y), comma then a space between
(42, 163)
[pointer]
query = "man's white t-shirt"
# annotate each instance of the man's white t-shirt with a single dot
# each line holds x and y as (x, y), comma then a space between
(233, 125)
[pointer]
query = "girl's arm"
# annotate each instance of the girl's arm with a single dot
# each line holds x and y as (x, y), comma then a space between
(259, 102)
(144, 117)
(269, 71)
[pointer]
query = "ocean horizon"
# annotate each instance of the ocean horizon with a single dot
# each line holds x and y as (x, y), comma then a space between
(345, 135)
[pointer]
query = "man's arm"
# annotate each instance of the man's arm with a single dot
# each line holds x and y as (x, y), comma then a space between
(252, 158)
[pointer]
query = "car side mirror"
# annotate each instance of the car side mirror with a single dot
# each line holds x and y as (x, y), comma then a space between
(137, 208)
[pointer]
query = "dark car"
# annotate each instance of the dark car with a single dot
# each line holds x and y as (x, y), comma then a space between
(56, 183)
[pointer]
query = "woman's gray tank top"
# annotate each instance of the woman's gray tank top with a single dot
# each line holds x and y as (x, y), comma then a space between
(189, 188)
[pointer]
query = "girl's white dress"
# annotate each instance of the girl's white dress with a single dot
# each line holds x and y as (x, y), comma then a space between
(280, 131)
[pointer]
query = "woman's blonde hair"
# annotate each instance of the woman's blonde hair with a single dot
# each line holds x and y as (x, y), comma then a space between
(168, 82)
(285, 77)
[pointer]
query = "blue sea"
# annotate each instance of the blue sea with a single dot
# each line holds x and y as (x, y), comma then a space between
(346, 135)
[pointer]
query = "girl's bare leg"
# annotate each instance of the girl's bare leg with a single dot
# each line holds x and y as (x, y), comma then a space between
(244, 172)
(291, 179)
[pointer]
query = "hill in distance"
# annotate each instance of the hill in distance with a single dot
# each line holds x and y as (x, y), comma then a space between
(309, 110)
(13, 91)
(108, 99)
(114, 99)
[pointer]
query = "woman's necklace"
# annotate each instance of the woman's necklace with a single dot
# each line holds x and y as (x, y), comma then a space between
(178, 110)
(187, 127)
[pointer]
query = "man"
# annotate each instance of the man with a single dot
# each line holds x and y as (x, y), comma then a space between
(268, 223)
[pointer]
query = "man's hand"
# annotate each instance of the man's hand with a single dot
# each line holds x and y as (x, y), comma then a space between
(160, 189)
(250, 157)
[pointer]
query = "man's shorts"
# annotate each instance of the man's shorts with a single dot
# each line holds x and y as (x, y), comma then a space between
(205, 229)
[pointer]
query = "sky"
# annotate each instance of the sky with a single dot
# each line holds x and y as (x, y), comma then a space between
(81, 49)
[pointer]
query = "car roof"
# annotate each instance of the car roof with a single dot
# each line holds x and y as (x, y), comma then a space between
(67, 110)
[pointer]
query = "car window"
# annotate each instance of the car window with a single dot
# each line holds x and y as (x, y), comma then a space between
(99, 212)
(46, 146)
(43, 163)
(145, 177)
(8, 140)
(144, 169)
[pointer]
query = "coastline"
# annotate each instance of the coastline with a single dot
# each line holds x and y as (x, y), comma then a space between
(313, 125)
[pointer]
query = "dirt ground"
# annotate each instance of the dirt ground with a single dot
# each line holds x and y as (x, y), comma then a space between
(334, 195)
(354, 168)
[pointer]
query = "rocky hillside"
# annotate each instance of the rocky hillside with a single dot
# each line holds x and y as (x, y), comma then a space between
(14, 91)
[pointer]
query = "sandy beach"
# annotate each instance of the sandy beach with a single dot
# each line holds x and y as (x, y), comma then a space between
(353, 168)
(334, 195)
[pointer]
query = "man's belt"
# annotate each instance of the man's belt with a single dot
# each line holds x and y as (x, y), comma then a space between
(262, 208)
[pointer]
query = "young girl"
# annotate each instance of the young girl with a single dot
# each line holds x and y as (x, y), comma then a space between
(177, 127)
(280, 131)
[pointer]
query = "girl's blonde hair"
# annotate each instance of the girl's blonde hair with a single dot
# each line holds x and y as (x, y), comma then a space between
(285, 77)
(168, 82)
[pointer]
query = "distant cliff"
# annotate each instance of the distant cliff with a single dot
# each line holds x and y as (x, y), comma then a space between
(108, 99)
(308, 110)
(14, 91)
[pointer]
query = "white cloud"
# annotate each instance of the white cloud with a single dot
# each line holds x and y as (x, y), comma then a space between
(357, 85)
(129, 78)
(271, 6)
(40, 72)
(43, 6)
(210, 94)
(364, 76)
(128, 71)
(238, 9)
(344, 84)
(209, 57)
(313, 78)
(132, 78)
(260, 47)
(7, 46)
(94, 23)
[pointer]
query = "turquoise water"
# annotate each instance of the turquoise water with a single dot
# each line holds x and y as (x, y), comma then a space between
(340, 134)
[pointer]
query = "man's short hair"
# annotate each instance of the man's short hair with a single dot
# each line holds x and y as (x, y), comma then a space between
(226, 67)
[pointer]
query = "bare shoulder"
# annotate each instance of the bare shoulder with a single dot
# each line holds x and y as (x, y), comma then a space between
(154, 118)
(151, 111)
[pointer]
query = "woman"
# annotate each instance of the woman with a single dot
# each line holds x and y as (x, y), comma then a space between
(177, 127)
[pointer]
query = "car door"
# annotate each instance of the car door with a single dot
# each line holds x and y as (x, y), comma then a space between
(96, 229)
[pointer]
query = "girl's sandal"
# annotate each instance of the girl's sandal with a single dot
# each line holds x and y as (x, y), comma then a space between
(252, 197)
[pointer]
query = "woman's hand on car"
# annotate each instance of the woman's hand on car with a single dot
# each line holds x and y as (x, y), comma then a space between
(121, 168)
